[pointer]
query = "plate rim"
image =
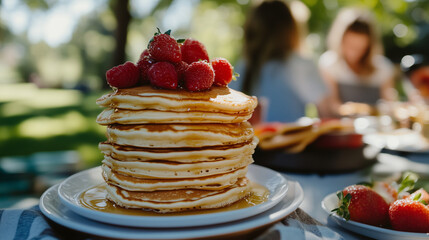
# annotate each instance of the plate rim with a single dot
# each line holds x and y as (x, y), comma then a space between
(224, 229)
(378, 230)
(174, 221)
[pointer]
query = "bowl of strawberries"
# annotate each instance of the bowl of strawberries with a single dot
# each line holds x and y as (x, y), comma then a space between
(382, 210)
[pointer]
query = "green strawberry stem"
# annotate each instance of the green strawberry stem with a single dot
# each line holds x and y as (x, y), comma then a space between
(417, 198)
(408, 181)
(157, 33)
(343, 206)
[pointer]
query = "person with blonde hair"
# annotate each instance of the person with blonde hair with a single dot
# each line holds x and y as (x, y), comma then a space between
(272, 69)
(353, 67)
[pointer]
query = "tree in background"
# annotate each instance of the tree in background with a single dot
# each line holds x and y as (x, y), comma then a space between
(113, 34)
(120, 8)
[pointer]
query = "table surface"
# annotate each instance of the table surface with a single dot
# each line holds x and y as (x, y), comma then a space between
(317, 186)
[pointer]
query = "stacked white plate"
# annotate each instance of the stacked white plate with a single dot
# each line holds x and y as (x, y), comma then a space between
(61, 204)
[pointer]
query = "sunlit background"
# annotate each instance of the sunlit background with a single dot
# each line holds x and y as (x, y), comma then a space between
(54, 55)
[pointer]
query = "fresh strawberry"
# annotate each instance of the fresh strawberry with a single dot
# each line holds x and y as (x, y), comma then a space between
(410, 216)
(193, 51)
(420, 195)
(223, 71)
(361, 204)
(164, 48)
(123, 76)
(180, 69)
(145, 53)
(144, 64)
(163, 75)
(199, 76)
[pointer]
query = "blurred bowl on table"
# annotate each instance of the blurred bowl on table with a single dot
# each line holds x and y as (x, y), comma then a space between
(326, 147)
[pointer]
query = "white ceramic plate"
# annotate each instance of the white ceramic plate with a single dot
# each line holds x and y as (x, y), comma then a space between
(52, 208)
(70, 190)
(404, 140)
(331, 201)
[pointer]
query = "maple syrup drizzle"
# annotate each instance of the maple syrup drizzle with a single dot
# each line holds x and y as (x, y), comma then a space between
(95, 198)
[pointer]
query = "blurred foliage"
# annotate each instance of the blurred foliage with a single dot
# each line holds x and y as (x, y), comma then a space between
(218, 24)
(34, 120)
(81, 62)
(412, 16)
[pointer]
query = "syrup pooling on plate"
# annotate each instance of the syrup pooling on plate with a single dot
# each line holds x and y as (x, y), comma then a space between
(95, 198)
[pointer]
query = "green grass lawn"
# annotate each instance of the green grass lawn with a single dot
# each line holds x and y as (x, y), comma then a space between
(39, 120)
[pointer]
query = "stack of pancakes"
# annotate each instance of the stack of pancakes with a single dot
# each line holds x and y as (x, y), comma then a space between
(172, 151)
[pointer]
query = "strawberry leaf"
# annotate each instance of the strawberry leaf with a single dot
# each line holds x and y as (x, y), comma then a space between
(155, 34)
(408, 181)
(181, 40)
(417, 197)
(168, 32)
(343, 206)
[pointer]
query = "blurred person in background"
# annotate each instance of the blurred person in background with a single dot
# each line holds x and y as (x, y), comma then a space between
(353, 67)
(272, 68)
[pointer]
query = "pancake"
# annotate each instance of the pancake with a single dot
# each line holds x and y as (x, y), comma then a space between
(179, 200)
(170, 170)
(214, 182)
(217, 99)
(184, 155)
(121, 116)
(175, 150)
(180, 135)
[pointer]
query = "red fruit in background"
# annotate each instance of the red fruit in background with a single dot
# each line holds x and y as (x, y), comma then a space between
(180, 69)
(144, 64)
(123, 76)
(199, 76)
(163, 75)
(363, 205)
(410, 216)
(223, 71)
(271, 127)
(164, 48)
(193, 51)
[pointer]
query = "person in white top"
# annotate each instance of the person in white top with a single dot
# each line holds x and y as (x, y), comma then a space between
(353, 67)
(273, 70)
